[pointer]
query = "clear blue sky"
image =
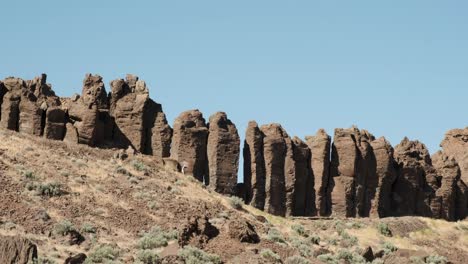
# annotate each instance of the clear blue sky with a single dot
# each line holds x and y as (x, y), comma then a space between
(396, 68)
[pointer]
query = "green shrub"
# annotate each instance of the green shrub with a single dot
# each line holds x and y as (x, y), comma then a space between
(389, 248)
(417, 260)
(193, 255)
(436, 259)
(384, 229)
(299, 229)
(328, 258)
(156, 238)
(314, 240)
(102, 253)
(88, 228)
(269, 255)
(29, 175)
(139, 166)
(236, 202)
(275, 236)
(49, 189)
(350, 257)
(297, 260)
(64, 227)
(148, 256)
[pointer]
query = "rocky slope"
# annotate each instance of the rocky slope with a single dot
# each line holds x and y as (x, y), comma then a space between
(63, 200)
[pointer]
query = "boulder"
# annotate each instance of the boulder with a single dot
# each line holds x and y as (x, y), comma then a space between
(197, 232)
(17, 250)
(55, 127)
(243, 231)
(223, 152)
(320, 164)
(274, 151)
(386, 174)
(303, 200)
(12, 89)
(254, 166)
(77, 259)
(189, 144)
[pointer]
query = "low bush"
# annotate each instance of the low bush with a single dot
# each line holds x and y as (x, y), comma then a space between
(389, 248)
(148, 256)
(384, 229)
(275, 236)
(193, 255)
(236, 202)
(156, 238)
(269, 255)
(297, 260)
(64, 227)
(436, 259)
(299, 229)
(103, 253)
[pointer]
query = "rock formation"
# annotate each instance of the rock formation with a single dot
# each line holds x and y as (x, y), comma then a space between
(274, 151)
(320, 163)
(254, 166)
(139, 121)
(304, 193)
(189, 144)
(17, 250)
(386, 174)
(223, 152)
(455, 144)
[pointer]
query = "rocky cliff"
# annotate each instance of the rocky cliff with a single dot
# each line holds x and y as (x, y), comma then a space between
(353, 175)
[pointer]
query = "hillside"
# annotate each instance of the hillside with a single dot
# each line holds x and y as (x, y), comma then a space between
(119, 207)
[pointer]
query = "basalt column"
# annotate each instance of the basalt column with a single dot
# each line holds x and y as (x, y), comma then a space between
(386, 175)
(223, 154)
(12, 88)
(320, 163)
(189, 144)
(139, 121)
(274, 151)
(455, 144)
(304, 192)
(254, 166)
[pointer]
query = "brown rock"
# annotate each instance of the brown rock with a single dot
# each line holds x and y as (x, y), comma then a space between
(171, 164)
(386, 175)
(411, 186)
(344, 165)
(197, 232)
(254, 166)
(274, 151)
(77, 259)
(55, 123)
(71, 134)
(243, 231)
(223, 152)
(304, 192)
(139, 121)
(12, 88)
(368, 254)
(189, 145)
(320, 151)
(17, 250)
(455, 144)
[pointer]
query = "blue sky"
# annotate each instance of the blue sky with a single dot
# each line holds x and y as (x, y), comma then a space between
(396, 68)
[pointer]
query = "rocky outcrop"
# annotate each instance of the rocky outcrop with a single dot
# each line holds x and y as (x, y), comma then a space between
(25, 105)
(139, 121)
(411, 186)
(254, 166)
(17, 250)
(83, 111)
(189, 144)
(343, 172)
(274, 151)
(303, 195)
(223, 152)
(386, 174)
(320, 164)
(455, 144)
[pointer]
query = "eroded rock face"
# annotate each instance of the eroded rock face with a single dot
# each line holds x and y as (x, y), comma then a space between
(17, 250)
(455, 144)
(410, 186)
(344, 164)
(274, 150)
(304, 193)
(320, 163)
(139, 121)
(10, 104)
(223, 154)
(254, 166)
(451, 198)
(386, 172)
(189, 143)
